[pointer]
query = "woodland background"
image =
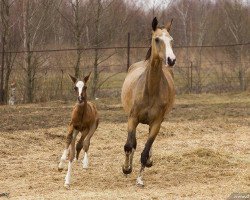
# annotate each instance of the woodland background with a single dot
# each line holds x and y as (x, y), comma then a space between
(43, 40)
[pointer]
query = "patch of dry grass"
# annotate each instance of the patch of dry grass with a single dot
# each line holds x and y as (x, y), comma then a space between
(201, 152)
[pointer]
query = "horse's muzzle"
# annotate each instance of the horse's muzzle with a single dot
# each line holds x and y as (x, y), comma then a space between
(171, 62)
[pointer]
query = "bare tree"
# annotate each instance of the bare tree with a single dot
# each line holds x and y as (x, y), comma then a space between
(237, 22)
(7, 46)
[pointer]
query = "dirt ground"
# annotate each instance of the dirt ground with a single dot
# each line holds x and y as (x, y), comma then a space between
(201, 152)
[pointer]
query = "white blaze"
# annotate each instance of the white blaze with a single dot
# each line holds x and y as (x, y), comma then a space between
(80, 86)
(169, 51)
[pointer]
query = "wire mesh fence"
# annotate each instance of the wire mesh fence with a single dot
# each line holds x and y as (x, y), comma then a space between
(217, 69)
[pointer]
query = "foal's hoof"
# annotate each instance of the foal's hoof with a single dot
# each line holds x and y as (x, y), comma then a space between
(139, 182)
(67, 186)
(60, 166)
(149, 163)
(127, 171)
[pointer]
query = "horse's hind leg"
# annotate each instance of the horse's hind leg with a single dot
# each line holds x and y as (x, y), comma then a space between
(130, 146)
(145, 155)
(149, 160)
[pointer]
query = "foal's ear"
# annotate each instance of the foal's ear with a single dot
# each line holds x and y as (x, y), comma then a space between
(74, 79)
(154, 24)
(86, 78)
(169, 25)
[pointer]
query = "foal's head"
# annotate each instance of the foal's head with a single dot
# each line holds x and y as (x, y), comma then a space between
(163, 42)
(80, 87)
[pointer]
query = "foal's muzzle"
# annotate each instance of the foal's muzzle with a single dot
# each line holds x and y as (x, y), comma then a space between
(171, 62)
(80, 99)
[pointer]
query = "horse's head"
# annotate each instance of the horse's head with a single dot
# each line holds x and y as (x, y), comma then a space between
(162, 42)
(80, 87)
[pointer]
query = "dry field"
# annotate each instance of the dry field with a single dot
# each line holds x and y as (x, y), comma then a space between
(202, 152)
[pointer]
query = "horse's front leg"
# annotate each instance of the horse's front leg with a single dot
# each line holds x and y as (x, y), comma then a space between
(130, 146)
(145, 155)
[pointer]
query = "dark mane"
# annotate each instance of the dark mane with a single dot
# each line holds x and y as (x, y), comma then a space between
(148, 54)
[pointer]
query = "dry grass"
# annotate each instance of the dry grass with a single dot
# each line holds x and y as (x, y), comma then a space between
(201, 152)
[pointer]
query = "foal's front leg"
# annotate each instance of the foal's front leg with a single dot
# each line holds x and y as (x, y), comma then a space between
(66, 150)
(71, 159)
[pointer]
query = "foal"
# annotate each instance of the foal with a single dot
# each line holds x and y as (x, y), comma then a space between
(85, 120)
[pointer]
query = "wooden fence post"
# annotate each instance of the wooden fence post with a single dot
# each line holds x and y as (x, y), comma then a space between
(191, 77)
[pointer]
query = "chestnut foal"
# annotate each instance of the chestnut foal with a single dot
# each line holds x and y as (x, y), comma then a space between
(85, 120)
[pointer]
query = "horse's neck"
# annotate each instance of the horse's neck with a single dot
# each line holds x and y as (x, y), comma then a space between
(153, 76)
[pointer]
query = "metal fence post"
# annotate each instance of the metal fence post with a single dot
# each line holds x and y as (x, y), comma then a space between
(128, 52)
(191, 77)
(2, 72)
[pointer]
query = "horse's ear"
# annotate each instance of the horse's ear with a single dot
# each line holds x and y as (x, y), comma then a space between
(154, 24)
(86, 78)
(169, 25)
(74, 79)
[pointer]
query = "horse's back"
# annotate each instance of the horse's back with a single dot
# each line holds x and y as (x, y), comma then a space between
(134, 72)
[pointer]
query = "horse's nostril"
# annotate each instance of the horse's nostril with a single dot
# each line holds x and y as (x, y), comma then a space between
(171, 62)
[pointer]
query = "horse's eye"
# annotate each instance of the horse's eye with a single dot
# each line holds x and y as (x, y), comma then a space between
(75, 88)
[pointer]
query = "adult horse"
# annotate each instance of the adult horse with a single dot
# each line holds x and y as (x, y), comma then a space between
(148, 95)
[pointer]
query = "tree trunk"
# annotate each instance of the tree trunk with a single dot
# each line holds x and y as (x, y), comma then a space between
(28, 54)
(97, 29)
(77, 37)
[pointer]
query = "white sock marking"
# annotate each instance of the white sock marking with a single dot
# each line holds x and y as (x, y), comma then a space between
(63, 158)
(139, 181)
(85, 161)
(68, 175)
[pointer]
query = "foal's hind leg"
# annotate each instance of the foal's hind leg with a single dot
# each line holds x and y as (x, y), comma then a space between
(130, 146)
(79, 144)
(86, 143)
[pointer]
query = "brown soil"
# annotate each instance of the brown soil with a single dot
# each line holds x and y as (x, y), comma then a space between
(201, 152)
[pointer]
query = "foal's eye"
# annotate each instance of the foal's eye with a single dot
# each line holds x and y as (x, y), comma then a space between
(157, 40)
(75, 88)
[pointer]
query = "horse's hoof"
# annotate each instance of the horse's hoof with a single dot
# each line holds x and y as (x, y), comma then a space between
(127, 171)
(139, 182)
(67, 186)
(60, 169)
(149, 164)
